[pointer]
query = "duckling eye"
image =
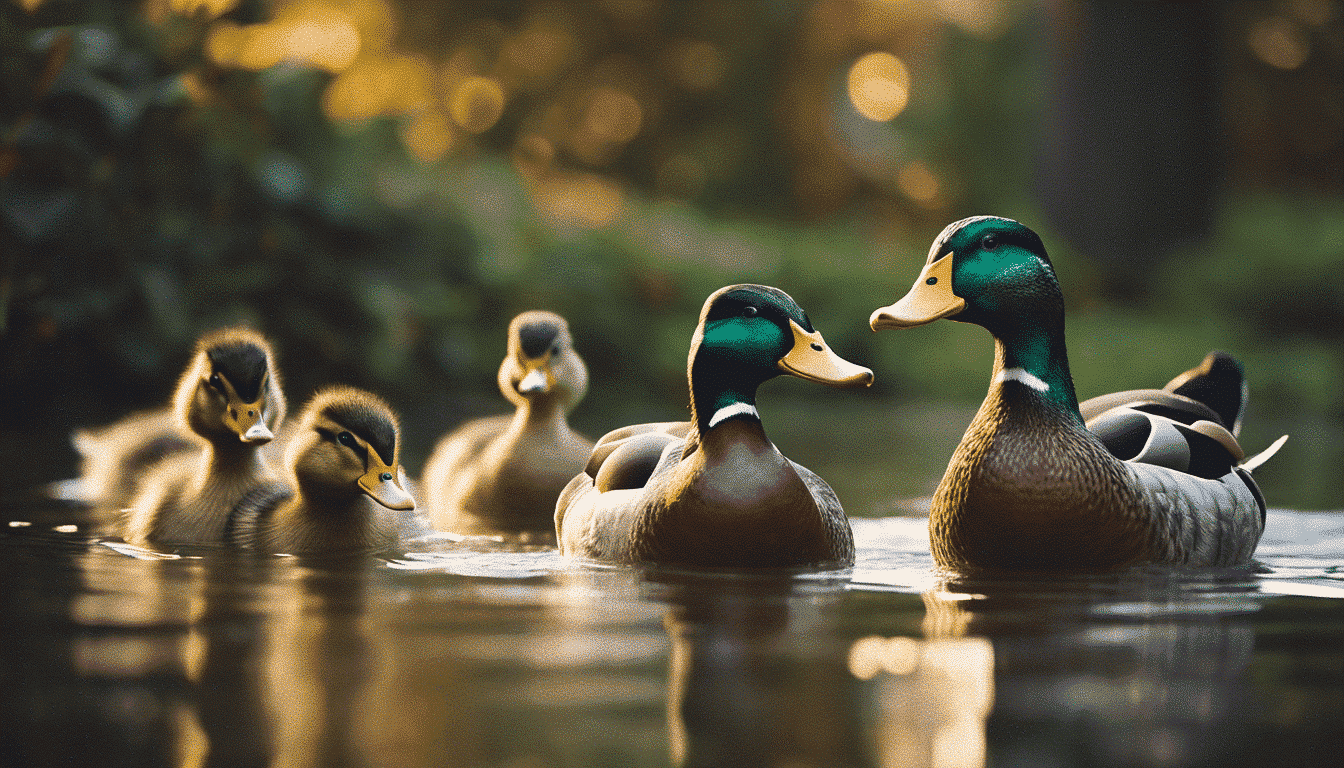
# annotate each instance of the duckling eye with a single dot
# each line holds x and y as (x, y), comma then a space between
(215, 382)
(749, 311)
(989, 242)
(346, 439)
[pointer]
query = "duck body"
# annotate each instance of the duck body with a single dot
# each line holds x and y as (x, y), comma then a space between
(114, 456)
(229, 400)
(501, 475)
(344, 489)
(715, 491)
(1148, 476)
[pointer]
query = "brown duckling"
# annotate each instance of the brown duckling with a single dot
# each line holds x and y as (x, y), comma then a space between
(343, 483)
(501, 475)
(230, 402)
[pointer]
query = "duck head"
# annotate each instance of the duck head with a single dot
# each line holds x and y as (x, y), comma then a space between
(984, 270)
(231, 391)
(747, 335)
(347, 444)
(541, 366)
(994, 272)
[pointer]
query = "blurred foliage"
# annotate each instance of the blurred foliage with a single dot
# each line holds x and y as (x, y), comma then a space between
(383, 209)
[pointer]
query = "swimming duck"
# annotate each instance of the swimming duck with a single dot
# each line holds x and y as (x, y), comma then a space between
(343, 485)
(715, 491)
(229, 400)
(1031, 486)
(114, 456)
(501, 475)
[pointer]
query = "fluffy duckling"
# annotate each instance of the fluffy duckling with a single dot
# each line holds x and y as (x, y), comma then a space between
(343, 476)
(716, 491)
(501, 475)
(115, 456)
(1041, 482)
(230, 402)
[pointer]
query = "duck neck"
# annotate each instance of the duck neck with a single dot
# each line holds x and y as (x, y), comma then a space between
(716, 398)
(230, 458)
(542, 414)
(1033, 355)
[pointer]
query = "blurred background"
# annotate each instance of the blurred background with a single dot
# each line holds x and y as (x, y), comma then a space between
(380, 185)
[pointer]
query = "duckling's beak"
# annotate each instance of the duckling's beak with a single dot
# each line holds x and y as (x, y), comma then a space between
(381, 484)
(536, 379)
(811, 359)
(930, 299)
(246, 418)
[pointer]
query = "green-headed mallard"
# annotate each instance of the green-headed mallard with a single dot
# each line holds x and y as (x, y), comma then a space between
(344, 488)
(229, 400)
(1030, 486)
(501, 475)
(716, 491)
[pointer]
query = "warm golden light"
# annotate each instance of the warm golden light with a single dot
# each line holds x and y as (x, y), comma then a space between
(312, 33)
(428, 135)
(1279, 42)
(212, 8)
(698, 66)
(612, 115)
(879, 86)
(391, 85)
(476, 103)
(326, 39)
(935, 697)
(918, 183)
(587, 200)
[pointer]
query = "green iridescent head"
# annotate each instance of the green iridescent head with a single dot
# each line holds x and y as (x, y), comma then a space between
(986, 270)
(749, 334)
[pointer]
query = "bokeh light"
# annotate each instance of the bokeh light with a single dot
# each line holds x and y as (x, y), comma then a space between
(476, 103)
(879, 86)
(1279, 42)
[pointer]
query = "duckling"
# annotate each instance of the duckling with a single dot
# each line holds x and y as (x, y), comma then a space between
(1040, 483)
(114, 456)
(715, 491)
(501, 475)
(230, 401)
(343, 473)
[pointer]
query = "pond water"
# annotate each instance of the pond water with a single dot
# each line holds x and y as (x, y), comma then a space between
(466, 655)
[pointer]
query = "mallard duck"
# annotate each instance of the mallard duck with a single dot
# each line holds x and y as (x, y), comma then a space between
(230, 401)
(343, 483)
(501, 475)
(1031, 486)
(715, 491)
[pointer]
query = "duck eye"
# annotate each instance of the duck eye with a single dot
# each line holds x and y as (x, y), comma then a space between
(346, 439)
(989, 242)
(749, 311)
(215, 382)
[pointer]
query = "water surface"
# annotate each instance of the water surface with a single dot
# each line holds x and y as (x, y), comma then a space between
(466, 655)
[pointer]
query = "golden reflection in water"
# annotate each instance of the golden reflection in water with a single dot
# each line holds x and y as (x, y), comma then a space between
(934, 694)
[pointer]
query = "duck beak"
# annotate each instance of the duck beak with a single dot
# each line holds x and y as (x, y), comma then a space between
(811, 359)
(381, 484)
(536, 380)
(246, 418)
(930, 299)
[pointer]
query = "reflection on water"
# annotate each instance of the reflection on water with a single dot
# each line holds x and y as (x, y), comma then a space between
(464, 655)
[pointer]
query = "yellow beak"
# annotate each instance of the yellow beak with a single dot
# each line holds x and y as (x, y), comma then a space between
(931, 298)
(811, 359)
(381, 484)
